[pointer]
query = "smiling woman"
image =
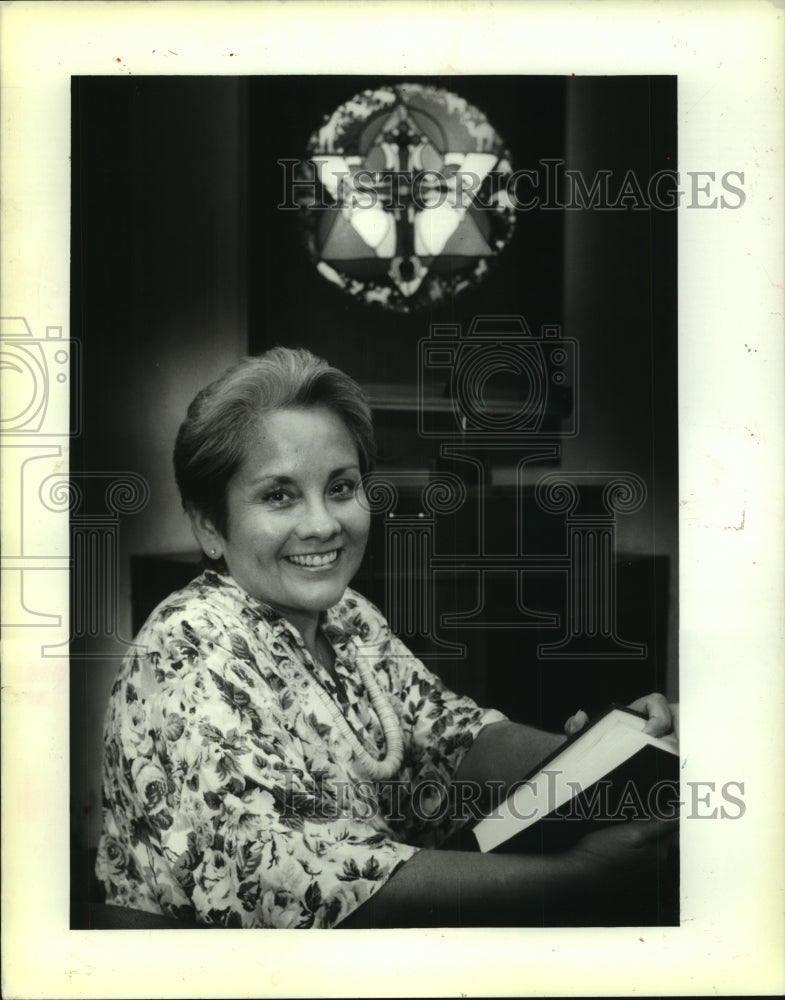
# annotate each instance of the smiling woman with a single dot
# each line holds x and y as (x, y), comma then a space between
(295, 532)
(274, 756)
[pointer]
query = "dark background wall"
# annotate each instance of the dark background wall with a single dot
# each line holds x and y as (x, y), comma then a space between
(620, 303)
(159, 301)
(182, 263)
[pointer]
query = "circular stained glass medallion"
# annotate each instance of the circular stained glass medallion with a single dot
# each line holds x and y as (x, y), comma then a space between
(400, 196)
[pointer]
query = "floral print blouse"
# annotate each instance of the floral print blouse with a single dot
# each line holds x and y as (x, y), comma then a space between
(231, 796)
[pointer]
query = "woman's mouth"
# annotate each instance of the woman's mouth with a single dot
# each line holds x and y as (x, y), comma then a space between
(315, 560)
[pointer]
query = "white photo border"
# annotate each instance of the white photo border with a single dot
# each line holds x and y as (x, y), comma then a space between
(729, 63)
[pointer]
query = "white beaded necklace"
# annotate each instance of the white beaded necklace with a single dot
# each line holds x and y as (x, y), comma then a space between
(377, 770)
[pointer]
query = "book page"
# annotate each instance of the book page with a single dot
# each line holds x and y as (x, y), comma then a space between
(610, 742)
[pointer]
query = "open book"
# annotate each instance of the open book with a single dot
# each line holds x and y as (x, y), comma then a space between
(609, 771)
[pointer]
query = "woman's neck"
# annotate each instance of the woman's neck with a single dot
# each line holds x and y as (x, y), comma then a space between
(308, 627)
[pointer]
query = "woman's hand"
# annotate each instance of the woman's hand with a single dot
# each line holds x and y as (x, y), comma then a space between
(661, 716)
(623, 850)
(575, 723)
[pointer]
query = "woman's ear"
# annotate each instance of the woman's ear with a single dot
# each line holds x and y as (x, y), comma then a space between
(209, 538)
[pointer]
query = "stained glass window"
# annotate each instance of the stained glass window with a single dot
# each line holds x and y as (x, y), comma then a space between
(402, 196)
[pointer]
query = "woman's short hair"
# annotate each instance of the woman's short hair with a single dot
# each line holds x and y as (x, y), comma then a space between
(212, 440)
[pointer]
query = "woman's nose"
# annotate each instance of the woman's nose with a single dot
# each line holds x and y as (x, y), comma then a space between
(317, 521)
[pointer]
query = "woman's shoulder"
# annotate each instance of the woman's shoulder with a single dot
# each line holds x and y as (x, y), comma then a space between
(355, 615)
(202, 591)
(211, 605)
(206, 628)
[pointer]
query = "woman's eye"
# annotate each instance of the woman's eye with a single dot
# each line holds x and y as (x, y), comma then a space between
(344, 488)
(278, 496)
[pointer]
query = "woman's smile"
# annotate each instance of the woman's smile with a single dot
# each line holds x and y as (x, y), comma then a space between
(315, 560)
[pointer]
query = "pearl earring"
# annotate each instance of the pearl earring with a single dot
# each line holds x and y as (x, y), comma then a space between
(212, 552)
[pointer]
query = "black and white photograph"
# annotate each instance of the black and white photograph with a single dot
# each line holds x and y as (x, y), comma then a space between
(370, 434)
(504, 304)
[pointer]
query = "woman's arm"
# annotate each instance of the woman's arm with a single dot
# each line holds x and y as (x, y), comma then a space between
(503, 753)
(454, 889)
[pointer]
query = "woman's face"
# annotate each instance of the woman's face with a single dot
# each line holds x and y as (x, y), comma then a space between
(296, 531)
